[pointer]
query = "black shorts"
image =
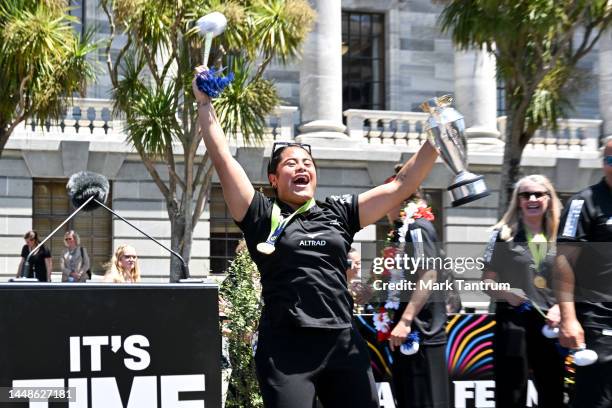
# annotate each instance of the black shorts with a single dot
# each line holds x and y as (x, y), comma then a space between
(594, 382)
(421, 380)
(297, 365)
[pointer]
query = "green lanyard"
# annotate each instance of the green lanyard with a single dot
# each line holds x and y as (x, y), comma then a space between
(278, 224)
(538, 247)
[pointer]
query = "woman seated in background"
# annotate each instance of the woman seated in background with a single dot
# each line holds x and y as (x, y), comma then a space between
(124, 266)
(74, 260)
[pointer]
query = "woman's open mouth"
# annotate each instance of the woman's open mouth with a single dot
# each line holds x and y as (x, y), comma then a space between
(301, 180)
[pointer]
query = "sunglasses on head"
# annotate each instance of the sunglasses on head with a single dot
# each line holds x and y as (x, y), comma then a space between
(608, 160)
(537, 194)
(280, 145)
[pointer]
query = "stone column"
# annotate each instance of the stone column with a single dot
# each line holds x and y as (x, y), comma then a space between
(321, 76)
(605, 82)
(476, 94)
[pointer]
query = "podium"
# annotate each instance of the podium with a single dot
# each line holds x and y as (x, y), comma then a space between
(110, 345)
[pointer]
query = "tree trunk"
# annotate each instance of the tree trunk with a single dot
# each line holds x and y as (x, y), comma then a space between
(513, 150)
(177, 233)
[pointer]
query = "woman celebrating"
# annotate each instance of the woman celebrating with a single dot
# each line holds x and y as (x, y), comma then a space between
(520, 252)
(40, 263)
(74, 261)
(307, 345)
(124, 266)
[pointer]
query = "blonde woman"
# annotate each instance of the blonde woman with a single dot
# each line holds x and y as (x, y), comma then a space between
(74, 260)
(124, 266)
(521, 253)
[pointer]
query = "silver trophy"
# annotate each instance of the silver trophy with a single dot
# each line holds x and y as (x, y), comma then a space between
(446, 130)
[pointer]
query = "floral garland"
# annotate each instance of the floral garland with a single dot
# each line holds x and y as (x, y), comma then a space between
(394, 246)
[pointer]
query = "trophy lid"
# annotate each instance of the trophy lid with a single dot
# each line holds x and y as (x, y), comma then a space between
(432, 104)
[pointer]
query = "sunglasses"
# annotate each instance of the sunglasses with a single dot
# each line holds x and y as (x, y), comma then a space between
(279, 145)
(527, 194)
(129, 257)
(608, 160)
(68, 239)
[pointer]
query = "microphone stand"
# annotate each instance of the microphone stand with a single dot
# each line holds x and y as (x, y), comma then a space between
(184, 266)
(26, 264)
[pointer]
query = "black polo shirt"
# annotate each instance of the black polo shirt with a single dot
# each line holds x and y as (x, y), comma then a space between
(587, 222)
(303, 280)
(513, 263)
(422, 242)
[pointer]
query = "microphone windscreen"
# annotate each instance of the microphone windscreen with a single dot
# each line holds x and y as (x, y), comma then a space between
(82, 185)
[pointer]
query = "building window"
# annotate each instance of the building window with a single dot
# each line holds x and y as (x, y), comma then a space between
(51, 206)
(363, 61)
(224, 234)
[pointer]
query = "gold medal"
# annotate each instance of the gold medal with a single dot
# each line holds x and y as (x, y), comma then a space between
(539, 282)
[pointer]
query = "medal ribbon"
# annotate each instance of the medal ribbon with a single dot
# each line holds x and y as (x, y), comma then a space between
(278, 223)
(538, 247)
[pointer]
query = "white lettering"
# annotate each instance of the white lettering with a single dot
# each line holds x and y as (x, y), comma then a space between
(75, 354)
(144, 359)
(51, 382)
(95, 343)
(172, 385)
(385, 396)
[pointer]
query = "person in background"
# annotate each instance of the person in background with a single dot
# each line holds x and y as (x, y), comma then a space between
(353, 272)
(583, 284)
(520, 253)
(420, 379)
(75, 260)
(124, 266)
(40, 264)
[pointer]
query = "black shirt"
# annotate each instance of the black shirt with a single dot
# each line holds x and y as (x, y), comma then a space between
(303, 280)
(38, 268)
(422, 241)
(587, 223)
(513, 263)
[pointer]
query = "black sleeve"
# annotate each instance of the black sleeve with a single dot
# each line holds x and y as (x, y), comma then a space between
(576, 220)
(257, 217)
(347, 208)
(24, 251)
(423, 240)
(494, 258)
(45, 252)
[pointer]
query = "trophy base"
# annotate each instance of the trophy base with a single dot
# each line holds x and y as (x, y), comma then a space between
(468, 187)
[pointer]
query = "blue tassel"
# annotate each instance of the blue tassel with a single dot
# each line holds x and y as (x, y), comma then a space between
(212, 83)
(412, 338)
(524, 307)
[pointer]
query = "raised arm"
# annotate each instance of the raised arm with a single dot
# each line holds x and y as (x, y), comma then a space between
(375, 203)
(237, 188)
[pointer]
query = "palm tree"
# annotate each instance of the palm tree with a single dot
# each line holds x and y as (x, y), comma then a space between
(42, 62)
(537, 45)
(151, 77)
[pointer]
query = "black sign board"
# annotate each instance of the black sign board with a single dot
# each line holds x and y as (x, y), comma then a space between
(107, 346)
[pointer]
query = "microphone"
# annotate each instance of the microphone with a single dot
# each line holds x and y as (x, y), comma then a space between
(85, 184)
(89, 191)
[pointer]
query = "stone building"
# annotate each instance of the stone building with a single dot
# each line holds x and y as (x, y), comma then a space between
(354, 96)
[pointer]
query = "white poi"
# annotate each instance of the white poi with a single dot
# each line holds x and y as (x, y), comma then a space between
(210, 26)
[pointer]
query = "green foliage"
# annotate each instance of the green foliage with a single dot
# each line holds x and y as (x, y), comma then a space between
(243, 105)
(152, 72)
(241, 291)
(537, 45)
(42, 61)
(534, 45)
